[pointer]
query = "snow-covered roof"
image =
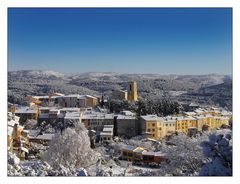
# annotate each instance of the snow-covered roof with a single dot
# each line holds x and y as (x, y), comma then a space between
(70, 109)
(151, 153)
(40, 97)
(128, 113)
(58, 94)
(152, 118)
(90, 96)
(44, 108)
(169, 121)
(72, 118)
(107, 129)
(106, 133)
(54, 97)
(72, 115)
(120, 116)
(72, 96)
(26, 111)
(190, 113)
(97, 115)
(193, 104)
(226, 113)
(159, 153)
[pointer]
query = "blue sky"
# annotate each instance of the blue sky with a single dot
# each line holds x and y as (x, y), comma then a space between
(148, 40)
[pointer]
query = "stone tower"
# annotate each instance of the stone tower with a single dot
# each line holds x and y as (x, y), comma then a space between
(132, 91)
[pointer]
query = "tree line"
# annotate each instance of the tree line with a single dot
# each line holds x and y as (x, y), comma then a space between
(160, 107)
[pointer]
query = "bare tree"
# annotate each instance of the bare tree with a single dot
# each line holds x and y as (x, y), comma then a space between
(185, 154)
(71, 149)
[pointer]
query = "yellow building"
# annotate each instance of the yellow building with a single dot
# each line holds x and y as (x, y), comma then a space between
(152, 125)
(157, 127)
(182, 124)
(132, 91)
(210, 122)
(219, 121)
(168, 127)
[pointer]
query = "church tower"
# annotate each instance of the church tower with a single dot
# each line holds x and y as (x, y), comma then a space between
(132, 91)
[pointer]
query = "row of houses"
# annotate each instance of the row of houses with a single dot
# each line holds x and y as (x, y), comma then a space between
(48, 114)
(127, 124)
(189, 123)
(61, 100)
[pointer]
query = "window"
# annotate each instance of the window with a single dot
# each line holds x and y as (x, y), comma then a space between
(160, 128)
(130, 87)
(153, 135)
(153, 124)
(153, 130)
(149, 130)
(166, 124)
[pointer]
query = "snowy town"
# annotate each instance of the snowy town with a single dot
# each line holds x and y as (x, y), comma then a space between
(81, 135)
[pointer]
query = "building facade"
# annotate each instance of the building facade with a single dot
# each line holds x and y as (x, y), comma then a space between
(119, 95)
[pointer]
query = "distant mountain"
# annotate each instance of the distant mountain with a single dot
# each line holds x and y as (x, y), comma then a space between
(28, 82)
(37, 82)
(218, 95)
(146, 82)
(44, 74)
